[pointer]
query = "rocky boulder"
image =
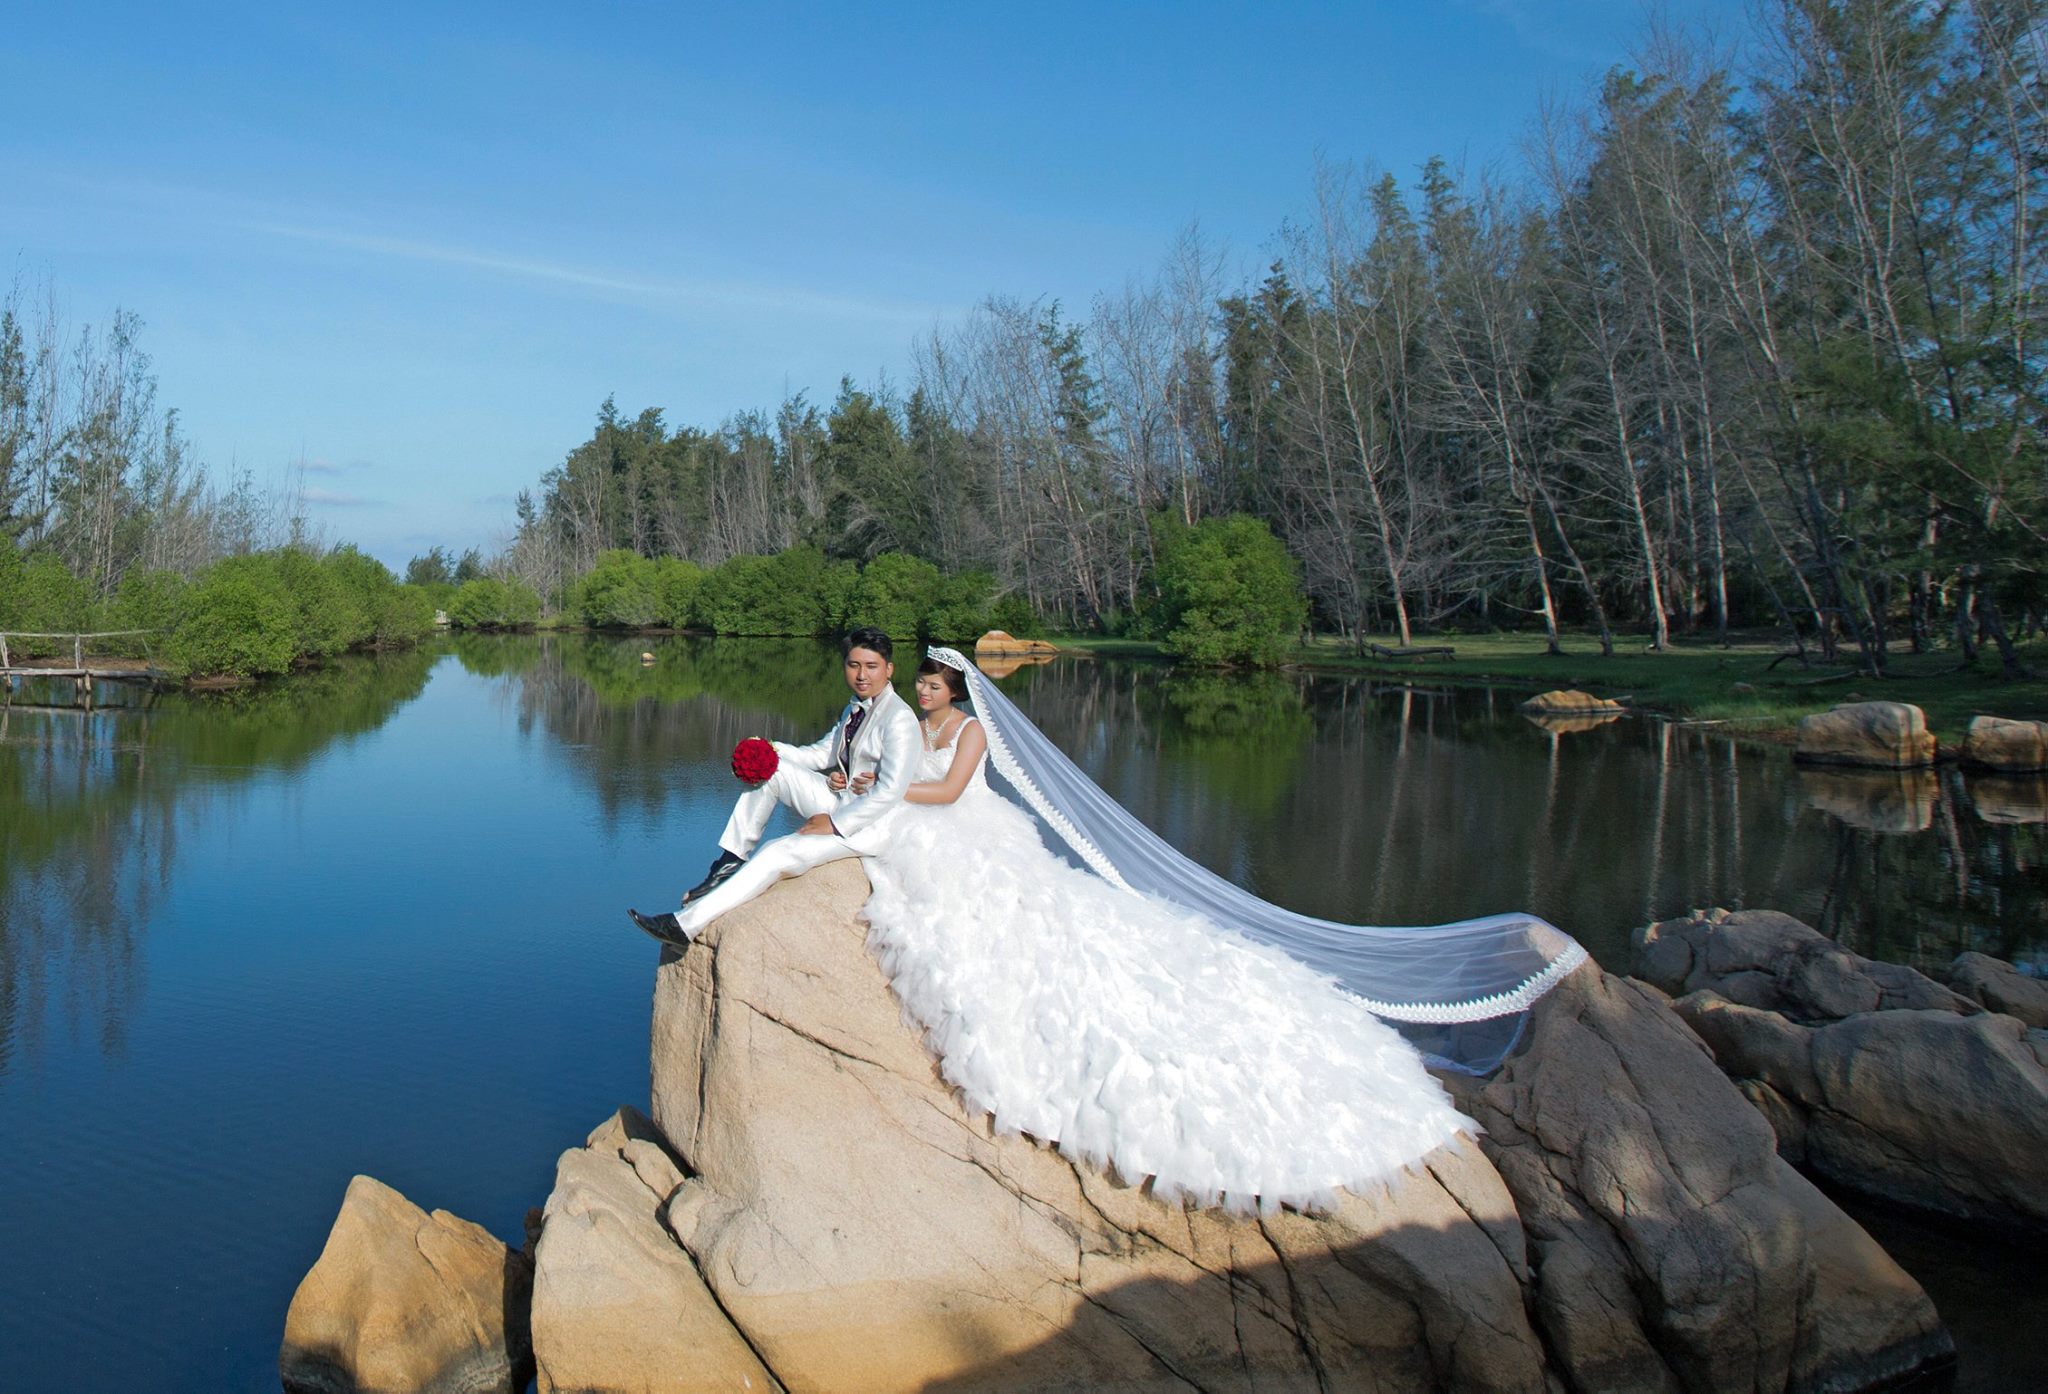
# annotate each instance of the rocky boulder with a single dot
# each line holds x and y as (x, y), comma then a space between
(1000, 644)
(1768, 960)
(1569, 702)
(1871, 1074)
(1999, 987)
(1892, 734)
(404, 1302)
(617, 1304)
(1626, 1224)
(2011, 747)
(1670, 1247)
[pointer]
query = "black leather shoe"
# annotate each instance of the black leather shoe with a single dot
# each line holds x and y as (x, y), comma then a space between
(667, 928)
(722, 866)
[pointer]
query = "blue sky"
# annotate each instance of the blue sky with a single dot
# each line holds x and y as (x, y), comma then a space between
(415, 246)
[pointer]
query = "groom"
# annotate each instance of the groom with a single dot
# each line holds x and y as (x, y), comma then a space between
(845, 785)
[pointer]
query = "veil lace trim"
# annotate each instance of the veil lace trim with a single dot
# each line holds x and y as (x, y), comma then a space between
(1437, 975)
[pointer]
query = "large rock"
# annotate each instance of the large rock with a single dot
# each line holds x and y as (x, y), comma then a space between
(1872, 1075)
(1571, 702)
(1892, 734)
(2000, 987)
(865, 1233)
(617, 1304)
(403, 1302)
(998, 643)
(868, 1234)
(1769, 960)
(1671, 1249)
(2012, 747)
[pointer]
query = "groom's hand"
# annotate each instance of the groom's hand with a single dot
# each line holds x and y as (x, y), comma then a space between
(818, 825)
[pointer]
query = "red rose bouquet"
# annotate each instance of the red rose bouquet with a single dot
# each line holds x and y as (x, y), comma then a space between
(754, 760)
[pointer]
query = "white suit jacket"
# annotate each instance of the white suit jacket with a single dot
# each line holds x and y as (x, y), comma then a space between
(886, 746)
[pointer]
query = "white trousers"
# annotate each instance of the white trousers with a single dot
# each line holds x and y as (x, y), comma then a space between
(805, 793)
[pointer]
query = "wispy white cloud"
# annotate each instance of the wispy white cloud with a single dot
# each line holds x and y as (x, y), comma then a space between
(220, 209)
(738, 295)
(332, 499)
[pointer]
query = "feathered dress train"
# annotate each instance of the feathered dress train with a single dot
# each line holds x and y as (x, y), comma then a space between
(1129, 1032)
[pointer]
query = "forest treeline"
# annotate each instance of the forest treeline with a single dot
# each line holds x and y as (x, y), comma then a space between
(1752, 341)
(109, 522)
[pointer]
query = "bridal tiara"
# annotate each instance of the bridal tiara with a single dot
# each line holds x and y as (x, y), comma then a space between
(952, 658)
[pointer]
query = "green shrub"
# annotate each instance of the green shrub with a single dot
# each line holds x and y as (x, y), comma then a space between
(238, 621)
(405, 615)
(11, 566)
(486, 603)
(961, 612)
(37, 593)
(327, 616)
(1013, 615)
(837, 585)
(1229, 592)
(793, 593)
(677, 584)
(395, 614)
(896, 593)
(147, 600)
(620, 592)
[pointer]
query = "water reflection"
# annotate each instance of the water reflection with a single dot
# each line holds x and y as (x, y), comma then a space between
(2009, 799)
(1350, 799)
(95, 805)
(1879, 801)
(641, 733)
(1366, 802)
(1385, 803)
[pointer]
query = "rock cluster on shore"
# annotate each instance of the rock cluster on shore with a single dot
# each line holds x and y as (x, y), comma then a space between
(1872, 1075)
(809, 1208)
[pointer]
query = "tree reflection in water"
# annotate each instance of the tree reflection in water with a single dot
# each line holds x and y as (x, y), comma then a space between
(1372, 803)
(1351, 799)
(93, 805)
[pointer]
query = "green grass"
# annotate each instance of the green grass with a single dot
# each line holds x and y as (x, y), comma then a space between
(1702, 681)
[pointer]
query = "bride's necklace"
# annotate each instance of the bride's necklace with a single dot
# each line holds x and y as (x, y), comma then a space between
(936, 745)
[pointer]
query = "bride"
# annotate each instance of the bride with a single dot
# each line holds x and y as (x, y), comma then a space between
(1147, 1015)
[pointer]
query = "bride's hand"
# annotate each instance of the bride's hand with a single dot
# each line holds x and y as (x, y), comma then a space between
(863, 782)
(837, 779)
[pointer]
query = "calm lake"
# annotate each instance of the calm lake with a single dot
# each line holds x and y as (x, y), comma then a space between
(372, 919)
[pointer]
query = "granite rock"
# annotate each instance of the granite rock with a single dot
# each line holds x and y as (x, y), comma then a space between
(406, 1302)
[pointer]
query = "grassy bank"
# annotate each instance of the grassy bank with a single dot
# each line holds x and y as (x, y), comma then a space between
(1696, 678)
(1700, 680)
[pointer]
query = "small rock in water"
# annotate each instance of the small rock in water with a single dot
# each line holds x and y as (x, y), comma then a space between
(403, 1302)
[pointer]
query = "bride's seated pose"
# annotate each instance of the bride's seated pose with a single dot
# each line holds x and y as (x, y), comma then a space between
(1142, 1013)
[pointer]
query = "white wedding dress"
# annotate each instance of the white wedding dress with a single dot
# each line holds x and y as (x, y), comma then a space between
(1131, 1032)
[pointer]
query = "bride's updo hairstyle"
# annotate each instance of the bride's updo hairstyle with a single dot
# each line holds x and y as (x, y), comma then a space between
(956, 681)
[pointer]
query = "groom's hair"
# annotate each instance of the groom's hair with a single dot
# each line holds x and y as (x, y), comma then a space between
(868, 637)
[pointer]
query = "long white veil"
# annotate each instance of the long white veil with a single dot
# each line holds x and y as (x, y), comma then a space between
(1458, 990)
